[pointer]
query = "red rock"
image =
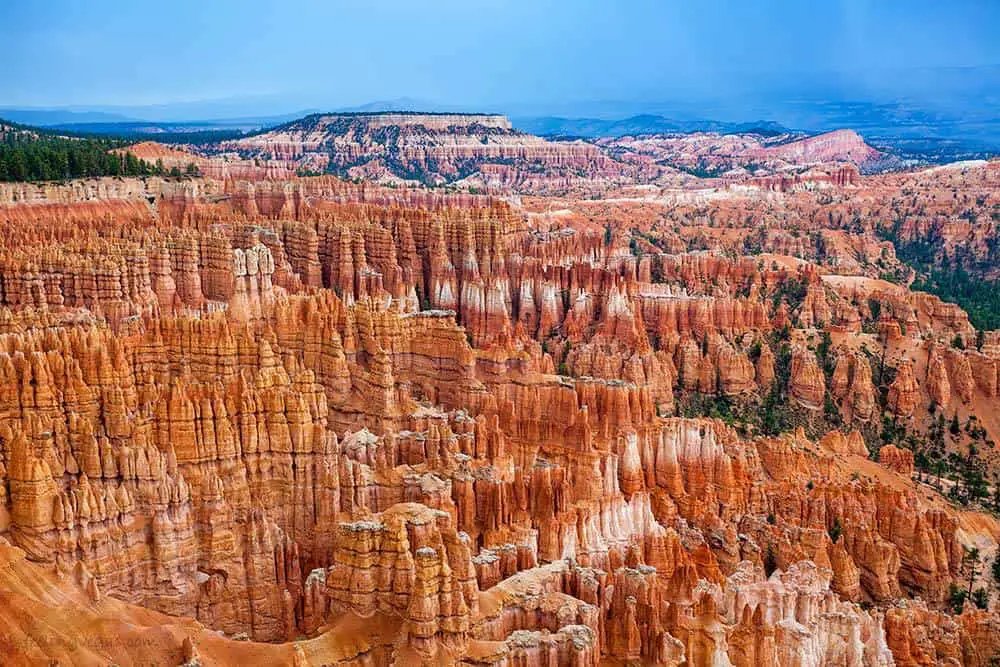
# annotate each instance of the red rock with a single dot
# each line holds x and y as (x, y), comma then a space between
(378, 425)
(765, 367)
(904, 394)
(937, 379)
(896, 459)
(806, 383)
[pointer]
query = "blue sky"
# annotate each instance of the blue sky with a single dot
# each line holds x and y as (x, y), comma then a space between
(468, 52)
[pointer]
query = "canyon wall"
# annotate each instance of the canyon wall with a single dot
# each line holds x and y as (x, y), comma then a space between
(366, 426)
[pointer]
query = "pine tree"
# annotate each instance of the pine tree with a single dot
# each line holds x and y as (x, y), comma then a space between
(956, 598)
(770, 560)
(971, 560)
(981, 598)
(835, 530)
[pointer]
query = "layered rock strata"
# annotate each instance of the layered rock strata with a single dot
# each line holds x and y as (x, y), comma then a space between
(371, 428)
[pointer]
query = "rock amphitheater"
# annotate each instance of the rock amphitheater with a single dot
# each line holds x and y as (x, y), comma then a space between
(312, 422)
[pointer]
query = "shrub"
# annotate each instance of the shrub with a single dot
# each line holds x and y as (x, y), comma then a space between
(770, 561)
(835, 530)
(981, 598)
(956, 598)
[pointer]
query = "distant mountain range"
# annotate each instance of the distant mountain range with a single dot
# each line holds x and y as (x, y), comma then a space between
(927, 114)
(98, 122)
(52, 117)
(640, 124)
(907, 133)
(926, 111)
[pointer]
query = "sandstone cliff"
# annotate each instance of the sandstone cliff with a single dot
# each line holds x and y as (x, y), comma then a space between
(372, 426)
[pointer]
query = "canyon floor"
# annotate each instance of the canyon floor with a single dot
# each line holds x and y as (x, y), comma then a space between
(486, 399)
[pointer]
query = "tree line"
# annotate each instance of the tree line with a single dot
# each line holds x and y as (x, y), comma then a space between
(959, 277)
(24, 157)
(29, 156)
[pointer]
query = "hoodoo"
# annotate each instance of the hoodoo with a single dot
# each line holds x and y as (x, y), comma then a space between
(383, 387)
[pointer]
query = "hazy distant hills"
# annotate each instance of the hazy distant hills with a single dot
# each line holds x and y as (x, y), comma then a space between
(906, 131)
(52, 117)
(640, 124)
(249, 113)
(110, 124)
(926, 113)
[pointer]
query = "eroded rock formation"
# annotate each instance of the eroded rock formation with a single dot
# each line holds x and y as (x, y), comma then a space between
(372, 426)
